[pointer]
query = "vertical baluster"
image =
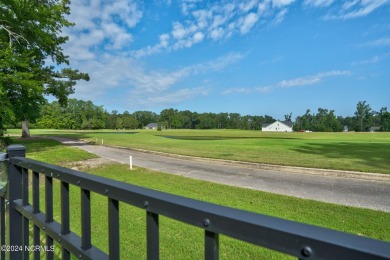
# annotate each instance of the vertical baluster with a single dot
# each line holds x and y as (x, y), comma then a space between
(65, 221)
(26, 233)
(35, 206)
(14, 192)
(152, 236)
(2, 226)
(49, 212)
(85, 219)
(25, 187)
(211, 245)
(113, 228)
(37, 242)
(49, 199)
(35, 184)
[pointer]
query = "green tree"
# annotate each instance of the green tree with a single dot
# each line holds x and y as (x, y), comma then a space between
(384, 119)
(363, 116)
(78, 114)
(205, 121)
(257, 122)
(185, 118)
(129, 121)
(30, 34)
(234, 120)
(304, 122)
(168, 116)
(145, 117)
(287, 117)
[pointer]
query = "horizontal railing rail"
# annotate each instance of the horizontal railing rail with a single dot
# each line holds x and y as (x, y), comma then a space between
(297, 239)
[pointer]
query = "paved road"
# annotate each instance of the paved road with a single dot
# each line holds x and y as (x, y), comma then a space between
(322, 186)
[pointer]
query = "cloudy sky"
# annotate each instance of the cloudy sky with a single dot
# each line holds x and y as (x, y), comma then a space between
(267, 57)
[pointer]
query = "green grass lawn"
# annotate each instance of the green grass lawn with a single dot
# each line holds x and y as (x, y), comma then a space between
(365, 152)
(51, 151)
(181, 241)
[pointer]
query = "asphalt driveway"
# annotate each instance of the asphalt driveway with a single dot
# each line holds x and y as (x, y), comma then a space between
(346, 188)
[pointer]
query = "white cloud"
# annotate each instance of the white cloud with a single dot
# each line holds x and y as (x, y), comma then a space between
(188, 5)
(262, 90)
(97, 26)
(273, 60)
(279, 17)
(310, 80)
(357, 8)
(179, 32)
(198, 37)
(372, 60)
(217, 21)
(385, 41)
(296, 82)
(171, 98)
(349, 9)
(246, 6)
(217, 64)
(112, 73)
(248, 22)
(281, 3)
(217, 33)
(349, 4)
(318, 3)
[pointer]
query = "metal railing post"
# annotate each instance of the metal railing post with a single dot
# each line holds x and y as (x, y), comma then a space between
(14, 192)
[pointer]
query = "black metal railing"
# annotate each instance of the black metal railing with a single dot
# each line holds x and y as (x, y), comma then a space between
(296, 239)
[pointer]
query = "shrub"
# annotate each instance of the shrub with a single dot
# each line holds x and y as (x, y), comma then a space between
(4, 142)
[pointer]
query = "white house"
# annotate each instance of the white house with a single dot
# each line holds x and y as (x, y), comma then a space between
(278, 126)
(151, 126)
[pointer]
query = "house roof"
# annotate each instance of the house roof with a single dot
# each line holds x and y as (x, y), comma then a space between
(151, 125)
(287, 123)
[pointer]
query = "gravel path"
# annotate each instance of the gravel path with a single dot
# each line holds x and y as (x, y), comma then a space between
(340, 187)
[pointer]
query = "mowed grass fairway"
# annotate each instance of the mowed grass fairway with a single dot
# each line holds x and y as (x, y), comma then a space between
(364, 152)
(182, 241)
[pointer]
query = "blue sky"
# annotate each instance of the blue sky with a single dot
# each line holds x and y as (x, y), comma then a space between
(267, 57)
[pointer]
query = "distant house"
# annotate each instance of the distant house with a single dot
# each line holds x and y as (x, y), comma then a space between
(151, 126)
(375, 128)
(278, 126)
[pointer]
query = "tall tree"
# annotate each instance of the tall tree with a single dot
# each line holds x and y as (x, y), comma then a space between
(168, 116)
(145, 117)
(363, 116)
(384, 119)
(129, 121)
(30, 34)
(287, 117)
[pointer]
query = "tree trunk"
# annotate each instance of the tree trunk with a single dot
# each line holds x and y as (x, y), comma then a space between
(25, 129)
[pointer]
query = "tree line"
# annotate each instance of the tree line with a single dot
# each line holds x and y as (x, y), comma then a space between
(84, 115)
(364, 119)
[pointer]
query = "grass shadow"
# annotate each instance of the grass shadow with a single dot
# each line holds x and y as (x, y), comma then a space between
(372, 155)
(36, 144)
(205, 138)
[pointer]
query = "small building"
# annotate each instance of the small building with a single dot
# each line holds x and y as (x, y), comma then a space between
(152, 126)
(278, 126)
(375, 128)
